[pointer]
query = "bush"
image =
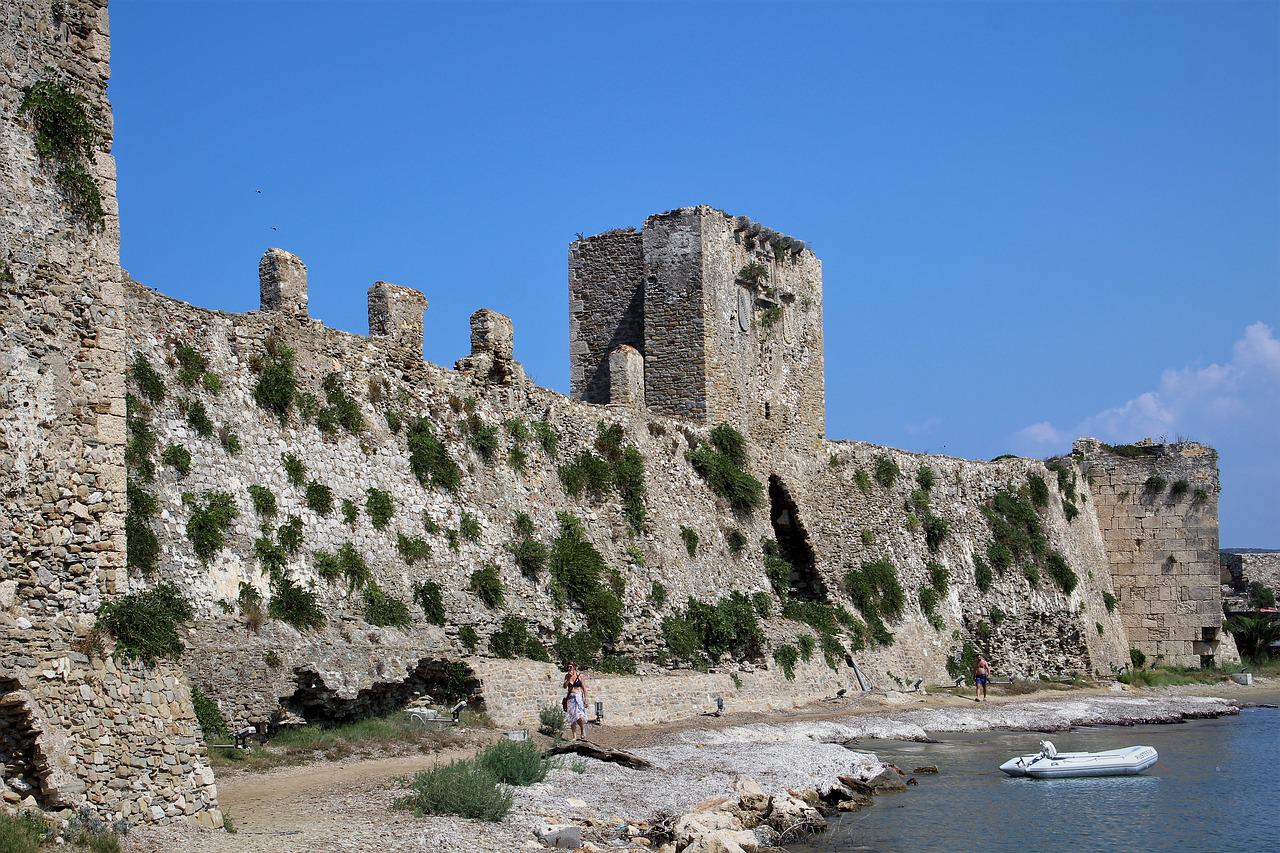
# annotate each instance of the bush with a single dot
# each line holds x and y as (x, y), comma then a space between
(938, 577)
(1031, 572)
(1155, 484)
(429, 460)
(862, 481)
(657, 594)
(776, 568)
(467, 636)
(982, 574)
(273, 557)
(763, 604)
(294, 469)
(412, 548)
(229, 440)
(141, 443)
(350, 512)
(736, 541)
(319, 498)
(581, 647)
(886, 471)
(264, 501)
(929, 599)
(586, 473)
(926, 477)
(149, 382)
(347, 563)
(294, 604)
(209, 523)
(1261, 595)
(805, 643)
(628, 479)
(786, 657)
(198, 418)
(1109, 601)
(547, 438)
(551, 720)
(383, 609)
(430, 598)
(1063, 576)
(721, 465)
(488, 587)
(690, 537)
(1137, 658)
(289, 534)
(380, 507)
(460, 788)
(341, 410)
(65, 138)
(276, 385)
(145, 624)
(511, 638)
(177, 456)
(578, 568)
(24, 832)
(469, 527)
(729, 626)
(209, 717)
(1038, 490)
(530, 556)
(1178, 489)
(935, 531)
(1253, 635)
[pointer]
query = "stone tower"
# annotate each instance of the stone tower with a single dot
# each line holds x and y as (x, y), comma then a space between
(726, 315)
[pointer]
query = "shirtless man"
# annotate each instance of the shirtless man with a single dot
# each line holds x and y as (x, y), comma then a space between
(981, 674)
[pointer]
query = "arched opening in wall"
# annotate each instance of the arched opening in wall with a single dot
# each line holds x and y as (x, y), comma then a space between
(793, 543)
(441, 682)
(20, 759)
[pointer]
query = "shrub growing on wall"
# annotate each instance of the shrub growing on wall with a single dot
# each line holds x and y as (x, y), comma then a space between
(177, 457)
(578, 568)
(1018, 534)
(786, 657)
(290, 534)
(145, 624)
(383, 609)
(345, 563)
(982, 574)
(886, 471)
(429, 460)
(294, 469)
(65, 139)
(380, 507)
(149, 382)
(141, 543)
(276, 385)
(488, 586)
(319, 498)
(876, 592)
(213, 726)
(412, 548)
(294, 604)
(690, 538)
(721, 464)
(341, 410)
(209, 523)
(1109, 601)
(430, 598)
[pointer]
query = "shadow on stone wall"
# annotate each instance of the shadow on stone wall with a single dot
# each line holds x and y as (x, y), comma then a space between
(431, 681)
(793, 543)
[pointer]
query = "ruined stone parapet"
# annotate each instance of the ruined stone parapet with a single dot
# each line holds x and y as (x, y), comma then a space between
(396, 313)
(1241, 569)
(626, 376)
(1157, 508)
(492, 356)
(282, 283)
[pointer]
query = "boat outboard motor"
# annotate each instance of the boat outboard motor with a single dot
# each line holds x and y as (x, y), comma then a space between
(1049, 750)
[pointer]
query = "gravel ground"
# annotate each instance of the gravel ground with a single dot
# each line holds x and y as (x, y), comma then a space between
(347, 808)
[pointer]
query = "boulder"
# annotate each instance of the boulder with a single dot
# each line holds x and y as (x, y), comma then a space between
(927, 768)
(786, 811)
(724, 841)
(690, 827)
(567, 837)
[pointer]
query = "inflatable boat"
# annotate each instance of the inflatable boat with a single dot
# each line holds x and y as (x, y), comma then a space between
(1048, 763)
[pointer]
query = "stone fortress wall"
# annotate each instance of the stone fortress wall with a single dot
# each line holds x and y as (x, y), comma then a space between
(78, 727)
(1240, 569)
(697, 319)
(1157, 508)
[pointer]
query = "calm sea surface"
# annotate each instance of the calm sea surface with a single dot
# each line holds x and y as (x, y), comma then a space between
(1215, 788)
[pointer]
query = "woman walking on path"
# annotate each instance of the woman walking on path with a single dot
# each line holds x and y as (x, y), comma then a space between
(575, 702)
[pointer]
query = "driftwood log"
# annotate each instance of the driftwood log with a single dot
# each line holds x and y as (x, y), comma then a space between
(600, 753)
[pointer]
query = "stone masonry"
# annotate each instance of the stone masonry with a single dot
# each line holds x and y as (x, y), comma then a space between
(95, 731)
(1243, 568)
(1157, 507)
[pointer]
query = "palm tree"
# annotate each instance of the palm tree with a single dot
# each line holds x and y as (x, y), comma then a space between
(1254, 634)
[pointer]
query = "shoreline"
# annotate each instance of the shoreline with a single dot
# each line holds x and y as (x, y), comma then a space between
(696, 761)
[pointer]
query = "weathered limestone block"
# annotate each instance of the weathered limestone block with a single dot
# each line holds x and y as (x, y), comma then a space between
(626, 376)
(396, 313)
(282, 283)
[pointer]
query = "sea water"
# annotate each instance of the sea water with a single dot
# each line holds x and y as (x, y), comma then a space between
(1216, 787)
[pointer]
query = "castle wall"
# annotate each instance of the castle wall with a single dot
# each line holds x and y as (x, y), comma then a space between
(606, 307)
(98, 732)
(764, 367)
(675, 311)
(1158, 511)
(1242, 568)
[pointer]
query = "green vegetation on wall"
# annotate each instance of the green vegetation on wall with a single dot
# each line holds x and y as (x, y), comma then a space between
(65, 139)
(721, 464)
(210, 521)
(145, 624)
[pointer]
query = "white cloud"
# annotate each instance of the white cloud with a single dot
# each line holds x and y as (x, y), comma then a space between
(1195, 402)
(1234, 407)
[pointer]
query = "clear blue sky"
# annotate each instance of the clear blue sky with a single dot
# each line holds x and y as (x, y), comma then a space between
(1035, 218)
